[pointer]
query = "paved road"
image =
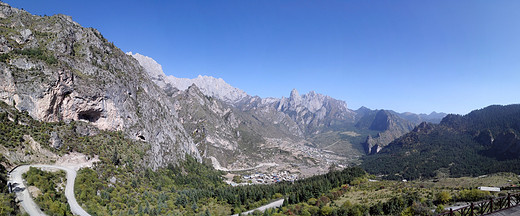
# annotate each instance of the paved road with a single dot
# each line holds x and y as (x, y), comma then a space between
(274, 204)
(28, 203)
(511, 211)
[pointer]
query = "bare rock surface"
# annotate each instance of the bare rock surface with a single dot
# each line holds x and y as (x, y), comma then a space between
(57, 70)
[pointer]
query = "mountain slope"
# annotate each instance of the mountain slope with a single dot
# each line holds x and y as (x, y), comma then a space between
(389, 126)
(57, 70)
(483, 141)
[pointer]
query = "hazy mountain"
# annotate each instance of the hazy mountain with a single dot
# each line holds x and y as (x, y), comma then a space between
(483, 141)
(433, 117)
(210, 86)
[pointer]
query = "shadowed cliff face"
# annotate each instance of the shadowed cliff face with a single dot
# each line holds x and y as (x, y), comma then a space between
(390, 126)
(57, 70)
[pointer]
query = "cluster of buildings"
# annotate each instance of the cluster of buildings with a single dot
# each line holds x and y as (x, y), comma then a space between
(261, 178)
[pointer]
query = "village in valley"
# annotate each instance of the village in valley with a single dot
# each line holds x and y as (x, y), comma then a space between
(262, 178)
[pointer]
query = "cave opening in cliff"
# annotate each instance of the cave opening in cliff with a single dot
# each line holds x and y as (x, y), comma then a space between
(89, 115)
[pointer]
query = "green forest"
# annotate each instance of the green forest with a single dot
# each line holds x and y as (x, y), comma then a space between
(51, 187)
(458, 146)
(190, 188)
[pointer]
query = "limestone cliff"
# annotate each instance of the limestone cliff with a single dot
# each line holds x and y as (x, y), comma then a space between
(57, 70)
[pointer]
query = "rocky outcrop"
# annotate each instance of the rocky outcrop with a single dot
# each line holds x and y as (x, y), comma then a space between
(55, 140)
(505, 146)
(314, 112)
(390, 125)
(57, 70)
(207, 120)
(385, 120)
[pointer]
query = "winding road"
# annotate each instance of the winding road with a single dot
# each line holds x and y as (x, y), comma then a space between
(274, 204)
(26, 201)
(15, 177)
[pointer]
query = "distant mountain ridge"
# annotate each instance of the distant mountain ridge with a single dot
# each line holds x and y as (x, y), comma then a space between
(251, 121)
(214, 87)
(218, 88)
(484, 141)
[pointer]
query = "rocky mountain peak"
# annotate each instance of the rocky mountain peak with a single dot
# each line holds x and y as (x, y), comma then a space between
(194, 90)
(210, 86)
(424, 127)
(315, 102)
(295, 99)
(382, 121)
(153, 68)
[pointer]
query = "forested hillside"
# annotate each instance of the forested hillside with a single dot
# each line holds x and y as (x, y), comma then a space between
(481, 142)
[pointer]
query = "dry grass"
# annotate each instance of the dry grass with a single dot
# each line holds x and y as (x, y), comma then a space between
(369, 193)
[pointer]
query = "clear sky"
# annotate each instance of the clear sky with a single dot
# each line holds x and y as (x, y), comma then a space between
(417, 56)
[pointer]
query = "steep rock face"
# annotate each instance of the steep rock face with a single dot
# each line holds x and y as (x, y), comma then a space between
(270, 121)
(210, 86)
(314, 112)
(385, 120)
(391, 126)
(208, 120)
(57, 70)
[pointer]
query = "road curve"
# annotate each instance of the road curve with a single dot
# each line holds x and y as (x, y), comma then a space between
(274, 204)
(28, 203)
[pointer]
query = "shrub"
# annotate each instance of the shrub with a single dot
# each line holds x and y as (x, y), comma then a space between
(473, 195)
(442, 197)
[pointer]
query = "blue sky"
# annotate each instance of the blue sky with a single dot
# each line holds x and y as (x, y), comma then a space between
(417, 56)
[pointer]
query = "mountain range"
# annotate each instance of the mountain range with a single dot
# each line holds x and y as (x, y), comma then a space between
(58, 71)
(229, 125)
(151, 143)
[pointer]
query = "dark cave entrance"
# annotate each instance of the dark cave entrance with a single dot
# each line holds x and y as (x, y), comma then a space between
(89, 115)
